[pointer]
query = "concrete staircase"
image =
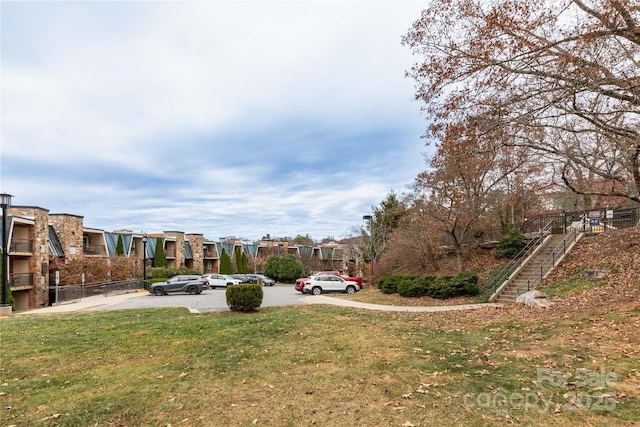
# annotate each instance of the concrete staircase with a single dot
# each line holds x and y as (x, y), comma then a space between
(536, 267)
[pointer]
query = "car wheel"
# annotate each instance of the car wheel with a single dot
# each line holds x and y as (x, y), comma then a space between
(229, 284)
(351, 290)
(316, 291)
(192, 290)
(158, 292)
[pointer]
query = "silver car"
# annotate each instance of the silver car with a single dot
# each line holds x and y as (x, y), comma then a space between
(266, 281)
(328, 283)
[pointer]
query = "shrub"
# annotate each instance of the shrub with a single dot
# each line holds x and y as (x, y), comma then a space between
(441, 287)
(444, 287)
(413, 286)
(244, 297)
(510, 244)
(283, 269)
(388, 284)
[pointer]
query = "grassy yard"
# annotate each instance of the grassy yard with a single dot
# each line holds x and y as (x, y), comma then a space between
(319, 365)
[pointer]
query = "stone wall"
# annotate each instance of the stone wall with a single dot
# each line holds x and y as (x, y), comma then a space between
(39, 261)
(70, 231)
(179, 242)
(196, 241)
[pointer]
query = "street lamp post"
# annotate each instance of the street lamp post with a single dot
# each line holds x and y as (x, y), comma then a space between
(5, 202)
(144, 259)
(372, 248)
(204, 260)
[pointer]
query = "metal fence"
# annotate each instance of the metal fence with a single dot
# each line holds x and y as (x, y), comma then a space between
(589, 221)
(58, 294)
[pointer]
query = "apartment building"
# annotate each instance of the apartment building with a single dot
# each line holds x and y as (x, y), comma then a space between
(45, 247)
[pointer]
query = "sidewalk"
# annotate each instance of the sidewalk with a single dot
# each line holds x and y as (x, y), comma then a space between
(86, 304)
(320, 299)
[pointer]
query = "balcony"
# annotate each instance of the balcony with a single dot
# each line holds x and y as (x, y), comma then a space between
(19, 282)
(94, 250)
(21, 246)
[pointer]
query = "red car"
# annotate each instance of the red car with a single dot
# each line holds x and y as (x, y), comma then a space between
(300, 284)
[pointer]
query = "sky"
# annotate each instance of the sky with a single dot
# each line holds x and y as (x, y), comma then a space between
(231, 118)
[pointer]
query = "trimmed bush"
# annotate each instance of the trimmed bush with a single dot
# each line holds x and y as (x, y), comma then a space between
(244, 297)
(444, 287)
(441, 287)
(285, 268)
(388, 284)
(413, 286)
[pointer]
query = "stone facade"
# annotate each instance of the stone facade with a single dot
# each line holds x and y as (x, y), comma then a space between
(196, 241)
(174, 244)
(33, 265)
(37, 233)
(69, 230)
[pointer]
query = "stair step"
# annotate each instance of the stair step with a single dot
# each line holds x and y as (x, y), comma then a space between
(530, 273)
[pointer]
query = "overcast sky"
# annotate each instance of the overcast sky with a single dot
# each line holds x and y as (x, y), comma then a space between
(229, 118)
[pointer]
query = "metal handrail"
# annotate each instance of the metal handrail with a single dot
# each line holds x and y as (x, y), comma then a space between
(511, 266)
(107, 287)
(551, 260)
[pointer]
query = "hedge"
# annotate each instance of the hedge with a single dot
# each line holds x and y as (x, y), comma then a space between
(440, 287)
(244, 297)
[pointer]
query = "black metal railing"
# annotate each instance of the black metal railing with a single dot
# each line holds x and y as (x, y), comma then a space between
(21, 245)
(20, 280)
(58, 294)
(508, 269)
(554, 257)
(94, 250)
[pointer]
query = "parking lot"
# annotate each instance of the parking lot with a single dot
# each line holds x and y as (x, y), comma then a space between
(209, 300)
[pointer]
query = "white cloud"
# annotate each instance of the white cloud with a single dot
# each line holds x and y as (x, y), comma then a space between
(195, 115)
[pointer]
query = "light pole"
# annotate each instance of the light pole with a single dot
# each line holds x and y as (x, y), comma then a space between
(5, 202)
(372, 249)
(204, 260)
(144, 260)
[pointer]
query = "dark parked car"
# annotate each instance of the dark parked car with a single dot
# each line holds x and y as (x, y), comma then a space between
(266, 281)
(190, 284)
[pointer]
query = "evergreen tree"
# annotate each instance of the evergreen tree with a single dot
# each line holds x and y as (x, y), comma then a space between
(237, 258)
(245, 263)
(120, 246)
(225, 263)
(159, 260)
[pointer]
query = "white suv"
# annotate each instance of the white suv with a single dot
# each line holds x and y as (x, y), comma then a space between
(220, 280)
(328, 283)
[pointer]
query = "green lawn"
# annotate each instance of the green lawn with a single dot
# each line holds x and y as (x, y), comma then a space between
(314, 365)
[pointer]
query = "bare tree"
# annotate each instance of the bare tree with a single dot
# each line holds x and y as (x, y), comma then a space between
(467, 174)
(559, 77)
(411, 249)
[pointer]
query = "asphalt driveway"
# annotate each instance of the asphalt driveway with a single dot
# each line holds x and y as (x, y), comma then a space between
(209, 300)
(215, 300)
